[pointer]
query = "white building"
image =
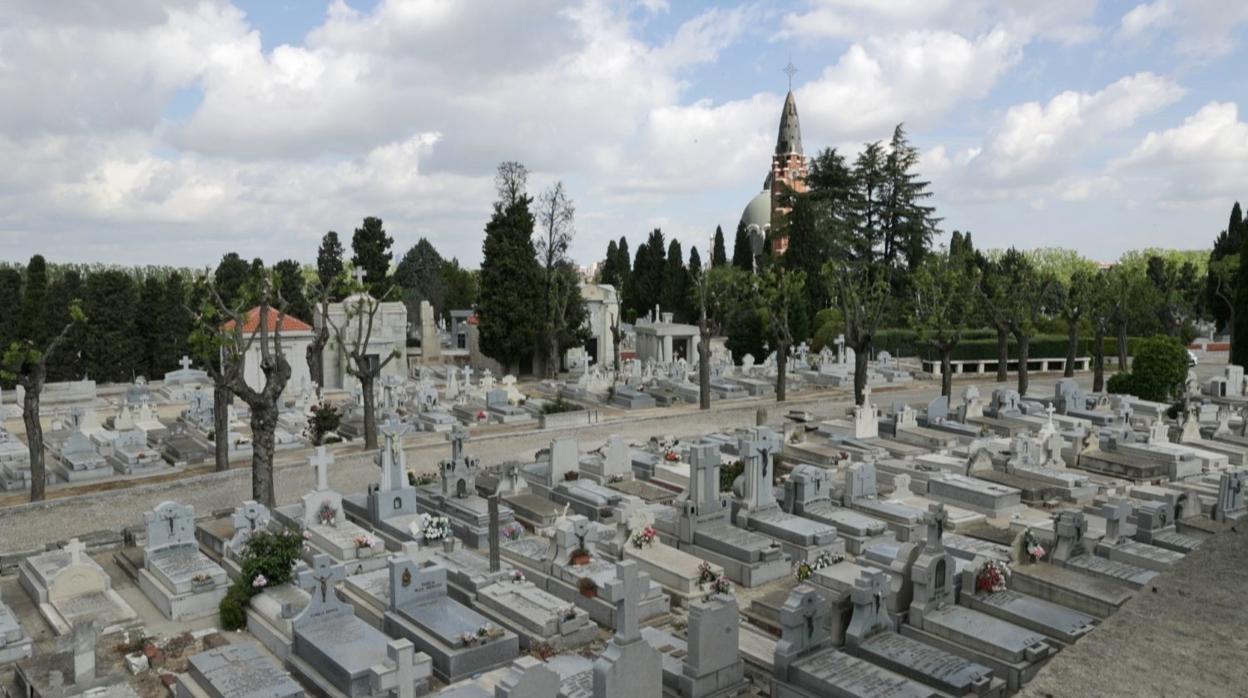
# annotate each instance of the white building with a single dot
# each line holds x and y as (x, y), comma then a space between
(389, 334)
(602, 312)
(665, 341)
(296, 336)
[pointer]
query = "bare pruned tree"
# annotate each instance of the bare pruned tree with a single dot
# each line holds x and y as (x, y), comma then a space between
(354, 337)
(555, 222)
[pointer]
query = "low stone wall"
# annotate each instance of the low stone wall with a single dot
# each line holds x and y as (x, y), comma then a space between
(566, 420)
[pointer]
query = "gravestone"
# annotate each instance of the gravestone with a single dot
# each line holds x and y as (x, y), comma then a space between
(564, 459)
(247, 519)
(860, 482)
(629, 667)
(179, 579)
(392, 502)
(15, 644)
(528, 677)
(325, 523)
(495, 563)
(866, 420)
(236, 671)
(1231, 504)
(713, 665)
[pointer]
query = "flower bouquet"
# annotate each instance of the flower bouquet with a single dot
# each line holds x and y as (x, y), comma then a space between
(992, 577)
(327, 515)
(434, 528)
(512, 531)
(645, 537)
(1034, 550)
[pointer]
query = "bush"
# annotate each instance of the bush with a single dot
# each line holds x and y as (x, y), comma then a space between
(1159, 369)
(325, 419)
(728, 473)
(829, 323)
(1121, 383)
(559, 405)
(269, 558)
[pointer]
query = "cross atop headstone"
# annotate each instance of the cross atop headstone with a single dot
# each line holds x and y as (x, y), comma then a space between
(75, 548)
(457, 437)
(626, 599)
(870, 614)
(359, 275)
(321, 460)
(320, 580)
(392, 459)
(1049, 411)
(247, 516)
(935, 519)
(185, 363)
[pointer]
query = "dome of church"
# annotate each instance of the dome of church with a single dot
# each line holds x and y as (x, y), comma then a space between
(757, 213)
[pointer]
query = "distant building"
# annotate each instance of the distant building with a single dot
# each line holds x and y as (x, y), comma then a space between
(789, 169)
(389, 335)
(602, 312)
(296, 336)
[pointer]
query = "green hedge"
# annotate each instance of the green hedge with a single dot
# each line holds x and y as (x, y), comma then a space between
(981, 344)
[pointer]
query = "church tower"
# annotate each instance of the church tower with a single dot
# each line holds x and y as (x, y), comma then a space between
(789, 169)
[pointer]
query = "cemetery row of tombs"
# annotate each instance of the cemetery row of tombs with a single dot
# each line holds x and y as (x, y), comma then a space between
(154, 428)
(948, 553)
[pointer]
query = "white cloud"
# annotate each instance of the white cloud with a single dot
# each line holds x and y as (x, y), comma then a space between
(1199, 29)
(1205, 159)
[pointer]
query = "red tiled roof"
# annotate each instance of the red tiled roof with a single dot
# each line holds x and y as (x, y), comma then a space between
(289, 323)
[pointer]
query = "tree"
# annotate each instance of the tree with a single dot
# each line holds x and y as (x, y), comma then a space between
(778, 289)
(861, 292)
(291, 282)
(908, 224)
(327, 288)
(1226, 244)
(742, 252)
(1240, 332)
(371, 247)
(419, 275)
(10, 308)
(1023, 302)
(33, 325)
(648, 275)
(459, 287)
(694, 266)
(230, 334)
(607, 272)
(624, 271)
(556, 225)
(1100, 312)
(719, 257)
(1223, 277)
(944, 288)
(147, 322)
(25, 363)
(66, 363)
(230, 277)
(354, 337)
(675, 294)
(1073, 299)
(510, 278)
(177, 323)
(112, 350)
(1158, 373)
(713, 292)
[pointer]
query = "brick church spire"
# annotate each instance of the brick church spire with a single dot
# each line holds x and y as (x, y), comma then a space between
(788, 170)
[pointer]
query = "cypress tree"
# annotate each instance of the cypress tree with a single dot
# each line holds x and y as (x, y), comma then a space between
(511, 284)
(371, 246)
(110, 351)
(742, 254)
(1227, 243)
(675, 295)
(695, 265)
(419, 275)
(147, 323)
(66, 362)
(329, 266)
(33, 325)
(10, 307)
(718, 256)
(649, 272)
(229, 279)
(1240, 343)
(607, 272)
(178, 323)
(290, 280)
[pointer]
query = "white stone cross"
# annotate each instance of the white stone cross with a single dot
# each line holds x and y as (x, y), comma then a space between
(185, 363)
(321, 460)
(75, 548)
(1049, 410)
(359, 276)
(626, 601)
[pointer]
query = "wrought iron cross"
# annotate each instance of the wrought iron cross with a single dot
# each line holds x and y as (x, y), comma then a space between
(790, 70)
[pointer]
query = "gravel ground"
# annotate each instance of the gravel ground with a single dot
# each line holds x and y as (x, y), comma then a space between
(1181, 636)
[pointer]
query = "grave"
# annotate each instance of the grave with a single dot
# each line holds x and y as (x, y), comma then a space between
(806, 666)
(1154, 524)
(861, 493)
(701, 526)
(224, 539)
(320, 515)
(808, 493)
(70, 588)
(629, 666)
(677, 571)
(1232, 502)
(388, 507)
(455, 495)
(340, 654)
(536, 616)
(460, 641)
(1118, 548)
(174, 575)
(235, 671)
(77, 460)
(14, 463)
(1014, 653)
(872, 636)
(756, 509)
(1070, 551)
(1059, 623)
(15, 644)
(707, 663)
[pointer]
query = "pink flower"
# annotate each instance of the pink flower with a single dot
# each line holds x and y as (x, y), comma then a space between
(259, 582)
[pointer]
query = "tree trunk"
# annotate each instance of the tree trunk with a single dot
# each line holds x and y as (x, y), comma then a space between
(263, 424)
(782, 366)
(1231, 334)
(1122, 346)
(860, 372)
(704, 368)
(1003, 355)
(1072, 345)
(946, 371)
(1024, 353)
(221, 426)
(1098, 361)
(370, 416)
(34, 442)
(552, 369)
(316, 365)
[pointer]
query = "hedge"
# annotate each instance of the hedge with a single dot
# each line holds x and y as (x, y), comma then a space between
(981, 344)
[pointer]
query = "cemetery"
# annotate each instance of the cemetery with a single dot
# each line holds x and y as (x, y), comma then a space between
(845, 452)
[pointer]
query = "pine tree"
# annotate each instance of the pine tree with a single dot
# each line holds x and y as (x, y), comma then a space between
(329, 265)
(675, 294)
(230, 279)
(695, 266)
(624, 274)
(419, 276)
(648, 273)
(10, 308)
(742, 253)
(607, 273)
(371, 247)
(718, 256)
(290, 280)
(510, 279)
(33, 325)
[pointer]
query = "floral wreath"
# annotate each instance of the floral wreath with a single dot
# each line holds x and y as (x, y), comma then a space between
(992, 576)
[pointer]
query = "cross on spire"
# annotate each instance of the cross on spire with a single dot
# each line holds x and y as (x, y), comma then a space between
(790, 70)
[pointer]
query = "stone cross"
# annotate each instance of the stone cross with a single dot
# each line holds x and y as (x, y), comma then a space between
(870, 615)
(320, 580)
(935, 519)
(1049, 411)
(627, 596)
(321, 460)
(247, 515)
(359, 275)
(185, 363)
(75, 548)
(457, 437)
(392, 460)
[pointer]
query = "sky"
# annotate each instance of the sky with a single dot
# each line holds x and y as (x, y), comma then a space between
(149, 132)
